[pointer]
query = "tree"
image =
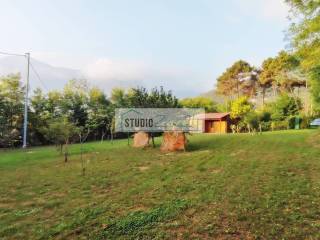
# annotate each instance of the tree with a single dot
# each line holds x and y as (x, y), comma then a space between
(11, 110)
(305, 30)
(100, 113)
(237, 80)
(160, 98)
(284, 107)
(282, 74)
(251, 119)
(239, 109)
(199, 102)
(267, 77)
(61, 132)
(119, 97)
(140, 97)
(74, 101)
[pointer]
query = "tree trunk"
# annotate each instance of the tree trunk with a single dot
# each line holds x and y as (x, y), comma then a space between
(260, 128)
(103, 135)
(263, 96)
(66, 151)
(65, 157)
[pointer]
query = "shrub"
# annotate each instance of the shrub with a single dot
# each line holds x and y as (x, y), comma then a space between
(279, 125)
(252, 121)
(265, 126)
(284, 107)
(305, 122)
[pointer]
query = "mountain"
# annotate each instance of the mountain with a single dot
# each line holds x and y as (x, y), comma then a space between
(214, 96)
(53, 77)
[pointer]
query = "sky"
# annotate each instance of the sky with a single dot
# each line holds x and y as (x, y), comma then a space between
(183, 45)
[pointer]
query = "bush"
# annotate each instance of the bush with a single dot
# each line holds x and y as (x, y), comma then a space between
(284, 107)
(252, 120)
(265, 126)
(305, 122)
(279, 125)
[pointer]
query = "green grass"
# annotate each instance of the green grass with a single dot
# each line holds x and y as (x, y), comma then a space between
(224, 187)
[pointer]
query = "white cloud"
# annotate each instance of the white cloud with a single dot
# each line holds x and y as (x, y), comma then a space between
(109, 73)
(105, 69)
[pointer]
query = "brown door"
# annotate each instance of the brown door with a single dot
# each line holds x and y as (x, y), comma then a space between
(209, 126)
(216, 127)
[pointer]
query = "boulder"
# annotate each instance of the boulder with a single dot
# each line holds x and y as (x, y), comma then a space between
(141, 140)
(173, 141)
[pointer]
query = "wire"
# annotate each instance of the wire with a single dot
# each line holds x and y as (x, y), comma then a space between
(13, 54)
(38, 76)
(32, 67)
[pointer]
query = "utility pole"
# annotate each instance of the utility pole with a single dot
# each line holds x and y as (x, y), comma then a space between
(25, 122)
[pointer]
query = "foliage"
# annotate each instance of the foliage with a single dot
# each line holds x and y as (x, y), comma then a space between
(305, 30)
(85, 107)
(11, 110)
(305, 121)
(251, 119)
(240, 107)
(60, 131)
(281, 72)
(284, 107)
(140, 97)
(199, 102)
(314, 76)
(279, 125)
(237, 80)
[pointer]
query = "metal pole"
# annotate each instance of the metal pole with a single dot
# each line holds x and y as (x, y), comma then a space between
(25, 122)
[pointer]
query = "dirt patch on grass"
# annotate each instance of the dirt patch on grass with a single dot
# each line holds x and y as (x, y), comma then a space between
(6, 206)
(314, 139)
(58, 194)
(31, 203)
(143, 168)
(215, 170)
(238, 153)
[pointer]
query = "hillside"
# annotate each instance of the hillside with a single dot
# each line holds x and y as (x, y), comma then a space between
(53, 77)
(267, 189)
(302, 93)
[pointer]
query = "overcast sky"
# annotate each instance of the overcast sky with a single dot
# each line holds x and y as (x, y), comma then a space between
(180, 44)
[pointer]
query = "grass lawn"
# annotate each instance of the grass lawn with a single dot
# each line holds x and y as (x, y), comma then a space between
(224, 187)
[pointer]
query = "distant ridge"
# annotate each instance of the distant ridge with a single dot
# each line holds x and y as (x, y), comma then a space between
(54, 77)
(214, 96)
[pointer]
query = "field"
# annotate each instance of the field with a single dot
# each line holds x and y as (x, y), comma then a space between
(224, 187)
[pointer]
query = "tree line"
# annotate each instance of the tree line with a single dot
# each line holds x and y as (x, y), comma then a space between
(79, 111)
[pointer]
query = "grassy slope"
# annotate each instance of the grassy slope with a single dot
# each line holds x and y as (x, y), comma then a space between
(224, 187)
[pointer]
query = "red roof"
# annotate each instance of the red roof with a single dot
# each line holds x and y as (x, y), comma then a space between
(212, 116)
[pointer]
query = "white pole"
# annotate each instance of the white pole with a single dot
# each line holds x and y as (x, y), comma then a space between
(25, 122)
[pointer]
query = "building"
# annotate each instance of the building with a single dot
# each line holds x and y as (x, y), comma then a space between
(215, 122)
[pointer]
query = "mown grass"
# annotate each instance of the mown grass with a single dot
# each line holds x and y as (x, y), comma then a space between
(224, 187)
